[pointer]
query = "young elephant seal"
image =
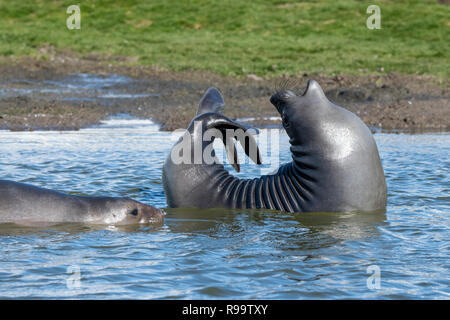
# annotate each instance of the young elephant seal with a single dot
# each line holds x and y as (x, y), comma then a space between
(23, 203)
(335, 163)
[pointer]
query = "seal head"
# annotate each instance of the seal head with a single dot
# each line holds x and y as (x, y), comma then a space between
(123, 211)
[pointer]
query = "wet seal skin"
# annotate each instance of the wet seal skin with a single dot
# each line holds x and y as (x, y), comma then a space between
(26, 204)
(335, 163)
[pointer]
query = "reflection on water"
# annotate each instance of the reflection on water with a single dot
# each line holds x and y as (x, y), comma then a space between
(219, 253)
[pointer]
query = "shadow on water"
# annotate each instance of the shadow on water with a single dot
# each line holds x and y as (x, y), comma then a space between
(342, 226)
(285, 233)
(41, 229)
(302, 230)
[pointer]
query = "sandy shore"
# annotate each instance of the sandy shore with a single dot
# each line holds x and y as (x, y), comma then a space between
(66, 93)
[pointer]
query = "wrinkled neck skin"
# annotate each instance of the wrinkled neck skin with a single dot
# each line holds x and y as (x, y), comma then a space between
(210, 185)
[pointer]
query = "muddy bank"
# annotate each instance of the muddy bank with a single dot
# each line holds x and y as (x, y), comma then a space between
(67, 92)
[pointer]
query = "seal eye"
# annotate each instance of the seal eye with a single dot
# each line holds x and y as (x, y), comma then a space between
(134, 212)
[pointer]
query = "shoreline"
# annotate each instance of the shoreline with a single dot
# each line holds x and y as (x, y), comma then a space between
(68, 93)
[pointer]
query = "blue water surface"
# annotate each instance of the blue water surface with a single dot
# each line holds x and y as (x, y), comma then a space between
(222, 254)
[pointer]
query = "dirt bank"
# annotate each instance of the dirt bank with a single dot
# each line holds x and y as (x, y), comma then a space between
(51, 94)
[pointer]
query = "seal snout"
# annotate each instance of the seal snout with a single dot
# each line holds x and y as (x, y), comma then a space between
(280, 98)
(151, 214)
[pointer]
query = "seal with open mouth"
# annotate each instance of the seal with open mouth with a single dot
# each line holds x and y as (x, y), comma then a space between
(335, 164)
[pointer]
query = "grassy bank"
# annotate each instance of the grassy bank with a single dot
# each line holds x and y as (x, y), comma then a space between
(234, 37)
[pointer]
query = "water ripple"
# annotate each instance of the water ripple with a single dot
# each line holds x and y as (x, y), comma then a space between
(221, 254)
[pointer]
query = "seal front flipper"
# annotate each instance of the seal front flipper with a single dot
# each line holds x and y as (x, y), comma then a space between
(230, 148)
(313, 89)
(231, 130)
(212, 101)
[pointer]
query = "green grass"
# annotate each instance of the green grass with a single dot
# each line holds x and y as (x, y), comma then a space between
(236, 37)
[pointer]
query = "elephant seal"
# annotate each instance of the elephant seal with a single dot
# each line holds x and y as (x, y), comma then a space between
(335, 162)
(26, 204)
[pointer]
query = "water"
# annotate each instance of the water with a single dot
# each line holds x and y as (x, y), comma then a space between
(104, 89)
(222, 254)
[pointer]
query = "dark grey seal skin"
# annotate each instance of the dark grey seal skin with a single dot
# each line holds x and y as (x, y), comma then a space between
(26, 204)
(335, 162)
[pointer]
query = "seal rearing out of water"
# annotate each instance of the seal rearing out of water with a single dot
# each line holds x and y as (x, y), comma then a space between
(26, 204)
(335, 162)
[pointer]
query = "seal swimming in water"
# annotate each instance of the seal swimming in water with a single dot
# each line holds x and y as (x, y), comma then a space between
(27, 204)
(335, 162)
